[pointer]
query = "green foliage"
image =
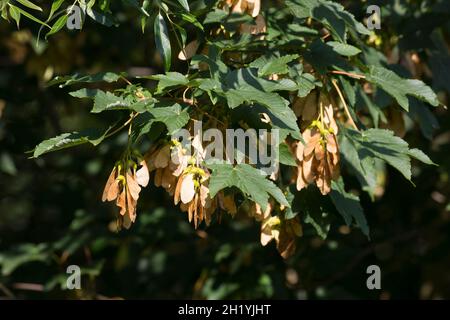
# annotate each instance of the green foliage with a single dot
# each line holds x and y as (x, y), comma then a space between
(247, 179)
(235, 84)
(238, 79)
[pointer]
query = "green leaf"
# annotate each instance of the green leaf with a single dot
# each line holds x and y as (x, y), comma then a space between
(306, 83)
(29, 4)
(191, 19)
(64, 81)
(29, 16)
(101, 17)
(174, 117)
(162, 40)
(362, 165)
(277, 106)
(384, 145)
(347, 204)
(273, 65)
(246, 178)
(400, 88)
(23, 254)
(58, 25)
(108, 101)
(105, 100)
(67, 140)
(419, 155)
(135, 4)
(286, 156)
(15, 14)
(55, 6)
(215, 16)
(184, 4)
(84, 93)
(314, 209)
(290, 213)
(421, 113)
(170, 79)
(343, 49)
(331, 14)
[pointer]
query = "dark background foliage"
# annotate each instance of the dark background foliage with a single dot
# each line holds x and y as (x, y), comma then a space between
(51, 215)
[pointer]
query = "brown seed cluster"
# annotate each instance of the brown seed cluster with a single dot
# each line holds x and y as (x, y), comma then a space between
(252, 7)
(283, 231)
(187, 181)
(124, 185)
(183, 177)
(275, 227)
(318, 157)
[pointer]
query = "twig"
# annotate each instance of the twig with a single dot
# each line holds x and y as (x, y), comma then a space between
(126, 80)
(6, 291)
(121, 127)
(28, 286)
(352, 75)
(345, 104)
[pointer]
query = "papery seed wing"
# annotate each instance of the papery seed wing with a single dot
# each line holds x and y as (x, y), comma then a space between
(311, 145)
(176, 197)
(300, 149)
(143, 175)
(266, 235)
(191, 211)
(310, 110)
(204, 193)
(126, 222)
(196, 213)
(121, 202)
(319, 151)
(189, 50)
(253, 7)
(307, 168)
(239, 6)
(331, 143)
(307, 134)
(301, 182)
(109, 182)
(162, 157)
(187, 191)
(113, 190)
(133, 186)
(286, 247)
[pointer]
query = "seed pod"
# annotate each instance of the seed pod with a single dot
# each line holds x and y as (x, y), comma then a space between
(142, 175)
(309, 111)
(133, 186)
(162, 157)
(189, 50)
(187, 191)
(108, 194)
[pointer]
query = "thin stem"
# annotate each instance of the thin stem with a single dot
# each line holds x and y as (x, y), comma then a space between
(352, 75)
(178, 39)
(121, 127)
(126, 80)
(345, 104)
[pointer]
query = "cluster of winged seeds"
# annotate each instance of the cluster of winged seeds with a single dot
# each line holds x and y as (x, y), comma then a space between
(124, 185)
(318, 157)
(186, 178)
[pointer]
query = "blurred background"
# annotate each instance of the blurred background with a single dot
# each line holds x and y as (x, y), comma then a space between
(51, 214)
